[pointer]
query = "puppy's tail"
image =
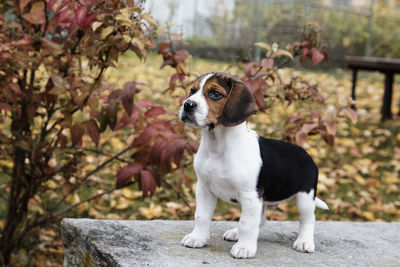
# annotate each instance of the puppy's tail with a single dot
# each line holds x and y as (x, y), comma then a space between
(320, 204)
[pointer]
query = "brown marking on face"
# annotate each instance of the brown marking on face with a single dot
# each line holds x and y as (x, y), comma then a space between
(215, 106)
(195, 87)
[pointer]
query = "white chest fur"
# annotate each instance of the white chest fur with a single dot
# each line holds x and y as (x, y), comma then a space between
(228, 161)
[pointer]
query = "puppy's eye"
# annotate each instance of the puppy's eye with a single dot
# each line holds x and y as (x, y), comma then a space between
(192, 91)
(215, 95)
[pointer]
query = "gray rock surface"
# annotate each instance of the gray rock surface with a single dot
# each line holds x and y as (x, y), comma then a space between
(157, 243)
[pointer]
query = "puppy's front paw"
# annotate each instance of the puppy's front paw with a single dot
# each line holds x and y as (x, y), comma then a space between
(232, 235)
(243, 251)
(304, 245)
(194, 241)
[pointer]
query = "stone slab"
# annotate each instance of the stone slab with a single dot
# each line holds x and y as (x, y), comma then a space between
(90, 242)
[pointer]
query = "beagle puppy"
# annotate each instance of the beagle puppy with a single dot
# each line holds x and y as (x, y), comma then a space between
(236, 165)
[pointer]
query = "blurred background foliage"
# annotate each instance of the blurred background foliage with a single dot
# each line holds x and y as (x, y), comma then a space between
(352, 27)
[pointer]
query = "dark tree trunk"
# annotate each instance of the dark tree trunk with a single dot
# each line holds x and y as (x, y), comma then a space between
(21, 186)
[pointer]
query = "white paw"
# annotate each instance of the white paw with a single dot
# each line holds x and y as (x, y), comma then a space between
(304, 245)
(194, 241)
(243, 251)
(232, 234)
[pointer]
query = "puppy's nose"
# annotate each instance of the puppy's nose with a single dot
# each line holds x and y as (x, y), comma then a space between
(189, 105)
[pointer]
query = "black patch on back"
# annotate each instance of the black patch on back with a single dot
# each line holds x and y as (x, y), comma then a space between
(286, 169)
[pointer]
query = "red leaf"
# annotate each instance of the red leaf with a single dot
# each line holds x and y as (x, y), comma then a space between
(51, 4)
(162, 126)
(329, 139)
(80, 16)
(51, 45)
(256, 86)
(317, 56)
(173, 80)
(175, 151)
(93, 131)
(331, 113)
(126, 120)
(63, 141)
(64, 17)
(331, 127)
(89, 20)
(147, 134)
(156, 176)
(301, 138)
(144, 103)
(308, 127)
(320, 98)
(185, 177)
(181, 55)
(156, 151)
(80, 100)
(5, 106)
(305, 52)
(326, 57)
(35, 17)
(147, 183)
(22, 42)
(111, 113)
(48, 170)
(352, 114)
(77, 131)
(127, 96)
(125, 173)
(251, 69)
(16, 88)
(23, 4)
(154, 111)
(130, 3)
(267, 63)
(192, 147)
(259, 98)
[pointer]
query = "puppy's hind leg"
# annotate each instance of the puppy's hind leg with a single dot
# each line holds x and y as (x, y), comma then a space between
(306, 206)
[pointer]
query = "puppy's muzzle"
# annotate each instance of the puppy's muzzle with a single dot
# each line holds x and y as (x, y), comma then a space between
(187, 113)
(189, 106)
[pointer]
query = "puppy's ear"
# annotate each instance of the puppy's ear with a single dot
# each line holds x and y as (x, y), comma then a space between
(239, 105)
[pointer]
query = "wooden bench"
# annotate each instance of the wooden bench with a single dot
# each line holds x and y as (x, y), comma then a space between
(385, 65)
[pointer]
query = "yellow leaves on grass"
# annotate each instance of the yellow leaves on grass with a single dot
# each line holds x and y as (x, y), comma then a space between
(117, 144)
(390, 178)
(153, 211)
(129, 194)
(368, 215)
(6, 163)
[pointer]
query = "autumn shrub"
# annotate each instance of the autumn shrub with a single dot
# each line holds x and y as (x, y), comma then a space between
(52, 58)
(53, 99)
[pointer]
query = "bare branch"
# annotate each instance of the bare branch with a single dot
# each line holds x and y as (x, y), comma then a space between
(90, 174)
(90, 199)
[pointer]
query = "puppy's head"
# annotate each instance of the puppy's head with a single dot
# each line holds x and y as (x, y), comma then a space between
(217, 98)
